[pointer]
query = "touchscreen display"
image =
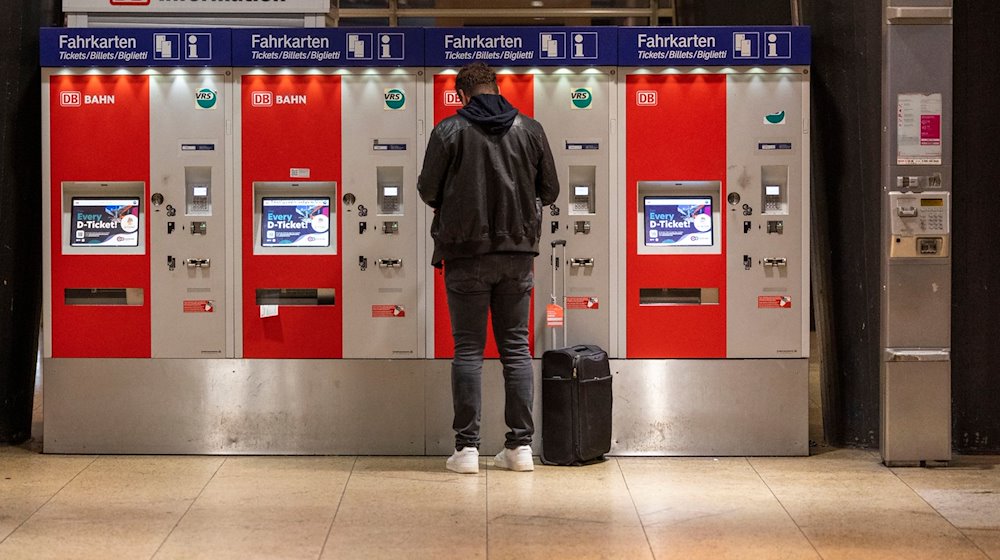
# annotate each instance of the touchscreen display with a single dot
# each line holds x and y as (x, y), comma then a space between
(104, 222)
(295, 222)
(678, 221)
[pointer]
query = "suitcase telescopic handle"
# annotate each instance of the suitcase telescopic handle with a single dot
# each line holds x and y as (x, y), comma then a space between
(556, 268)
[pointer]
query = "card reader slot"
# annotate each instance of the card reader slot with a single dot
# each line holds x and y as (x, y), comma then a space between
(103, 296)
(678, 296)
(296, 296)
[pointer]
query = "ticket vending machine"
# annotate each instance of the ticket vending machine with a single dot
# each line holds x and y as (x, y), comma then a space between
(565, 79)
(329, 214)
(135, 203)
(714, 249)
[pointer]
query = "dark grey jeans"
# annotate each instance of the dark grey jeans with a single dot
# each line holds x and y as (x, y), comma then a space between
(500, 283)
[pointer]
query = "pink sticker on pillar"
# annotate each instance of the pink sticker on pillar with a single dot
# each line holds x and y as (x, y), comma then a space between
(930, 130)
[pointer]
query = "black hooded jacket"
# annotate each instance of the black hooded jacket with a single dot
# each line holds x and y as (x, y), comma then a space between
(488, 171)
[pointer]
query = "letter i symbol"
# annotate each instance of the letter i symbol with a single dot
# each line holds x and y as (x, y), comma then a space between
(192, 46)
(386, 48)
(578, 47)
(772, 45)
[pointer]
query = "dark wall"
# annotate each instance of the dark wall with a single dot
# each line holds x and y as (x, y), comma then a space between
(20, 210)
(976, 260)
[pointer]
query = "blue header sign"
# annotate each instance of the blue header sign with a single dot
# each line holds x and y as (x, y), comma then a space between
(522, 46)
(355, 46)
(61, 47)
(714, 46)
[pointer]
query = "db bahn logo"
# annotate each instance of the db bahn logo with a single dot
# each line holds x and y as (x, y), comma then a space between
(582, 98)
(451, 99)
(645, 98)
(261, 99)
(70, 98)
(395, 99)
(206, 98)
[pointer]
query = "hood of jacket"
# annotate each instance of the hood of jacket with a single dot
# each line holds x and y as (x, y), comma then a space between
(491, 112)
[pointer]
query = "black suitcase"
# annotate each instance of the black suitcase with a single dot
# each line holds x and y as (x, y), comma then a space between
(576, 396)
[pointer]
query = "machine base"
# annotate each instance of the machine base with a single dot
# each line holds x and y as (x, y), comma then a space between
(402, 407)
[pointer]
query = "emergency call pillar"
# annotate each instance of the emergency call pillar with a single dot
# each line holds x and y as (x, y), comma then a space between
(916, 232)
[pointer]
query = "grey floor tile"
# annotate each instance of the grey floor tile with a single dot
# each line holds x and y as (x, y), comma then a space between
(118, 507)
(28, 480)
(852, 507)
(399, 507)
(262, 507)
(563, 512)
(711, 508)
(966, 493)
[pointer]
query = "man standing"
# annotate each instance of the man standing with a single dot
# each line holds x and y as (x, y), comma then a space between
(487, 173)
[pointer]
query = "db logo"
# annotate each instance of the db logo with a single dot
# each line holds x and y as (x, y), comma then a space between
(70, 98)
(451, 99)
(129, 2)
(645, 98)
(261, 99)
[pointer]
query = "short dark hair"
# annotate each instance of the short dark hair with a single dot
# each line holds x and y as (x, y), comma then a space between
(476, 78)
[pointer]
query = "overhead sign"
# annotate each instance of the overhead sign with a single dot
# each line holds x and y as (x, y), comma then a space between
(198, 6)
(522, 46)
(714, 46)
(389, 46)
(134, 47)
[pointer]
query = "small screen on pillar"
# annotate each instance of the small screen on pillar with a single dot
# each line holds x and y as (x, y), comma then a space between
(678, 221)
(104, 222)
(295, 222)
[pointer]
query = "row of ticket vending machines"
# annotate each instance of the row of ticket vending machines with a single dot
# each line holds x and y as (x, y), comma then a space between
(236, 259)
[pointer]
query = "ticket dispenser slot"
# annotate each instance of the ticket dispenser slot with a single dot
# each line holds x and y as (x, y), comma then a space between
(920, 224)
(774, 189)
(198, 191)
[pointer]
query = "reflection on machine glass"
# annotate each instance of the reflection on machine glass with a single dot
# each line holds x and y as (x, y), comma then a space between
(678, 221)
(105, 222)
(295, 222)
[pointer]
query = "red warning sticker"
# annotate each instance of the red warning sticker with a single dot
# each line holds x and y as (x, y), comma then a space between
(582, 302)
(554, 315)
(774, 302)
(388, 311)
(199, 306)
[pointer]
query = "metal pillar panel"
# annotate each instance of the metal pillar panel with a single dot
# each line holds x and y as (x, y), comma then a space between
(916, 216)
(768, 305)
(190, 250)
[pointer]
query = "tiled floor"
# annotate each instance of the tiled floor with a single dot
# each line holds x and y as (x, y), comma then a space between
(835, 504)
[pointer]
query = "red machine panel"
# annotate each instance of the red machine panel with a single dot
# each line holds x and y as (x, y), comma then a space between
(519, 89)
(99, 132)
(676, 131)
(290, 122)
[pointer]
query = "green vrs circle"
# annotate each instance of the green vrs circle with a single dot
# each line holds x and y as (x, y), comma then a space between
(582, 98)
(395, 99)
(207, 98)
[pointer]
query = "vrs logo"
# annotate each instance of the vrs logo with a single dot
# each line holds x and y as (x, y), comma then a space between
(645, 98)
(395, 99)
(261, 99)
(70, 98)
(775, 118)
(451, 99)
(582, 98)
(206, 98)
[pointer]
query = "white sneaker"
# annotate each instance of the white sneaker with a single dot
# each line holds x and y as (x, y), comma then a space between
(518, 459)
(464, 461)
